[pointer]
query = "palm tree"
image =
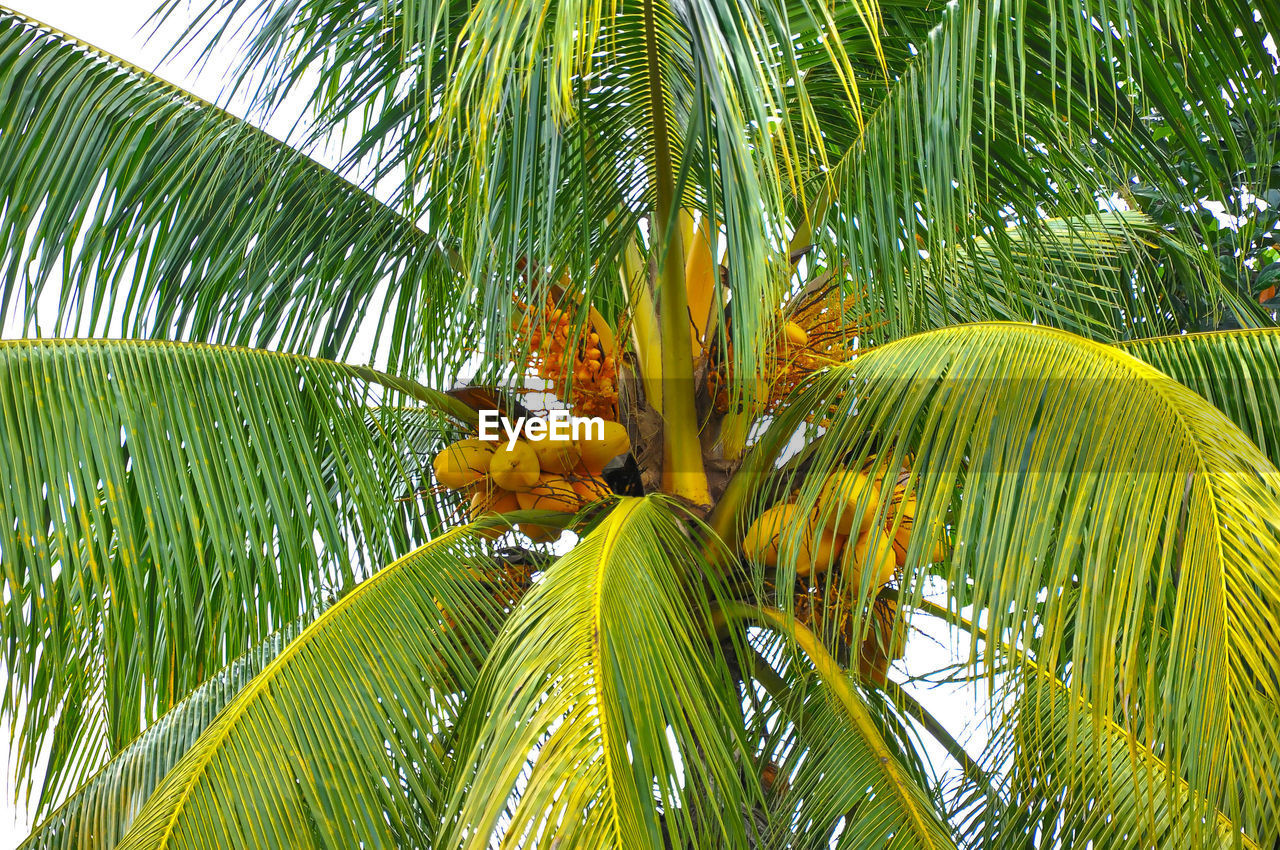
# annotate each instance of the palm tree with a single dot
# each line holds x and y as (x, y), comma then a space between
(898, 303)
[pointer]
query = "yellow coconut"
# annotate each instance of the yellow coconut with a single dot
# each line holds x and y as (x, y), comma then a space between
(590, 488)
(558, 456)
(515, 468)
(551, 493)
(876, 555)
(934, 554)
(883, 643)
(598, 452)
(463, 463)
(764, 535)
(901, 540)
(817, 555)
(795, 334)
(495, 501)
(540, 533)
(850, 499)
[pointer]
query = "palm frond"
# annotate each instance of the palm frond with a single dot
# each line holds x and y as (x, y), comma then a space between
(663, 116)
(164, 507)
(1094, 275)
(926, 139)
(1044, 457)
(1003, 119)
(847, 774)
(99, 813)
(1072, 777)
(541, 132)
(1238, 371)
(606, 716)
(354, 717)
(145, 211)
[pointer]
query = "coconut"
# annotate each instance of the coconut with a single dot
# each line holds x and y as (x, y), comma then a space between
(492, 503)
(463, 463)
(763, 536)
(940, 549)
(515, 467)
(589, 488)
(556, 456)
(906, 521)
(596, 453)
(850, 499)
(818, 554)
(539, 533)
(795, 334)
(877, 555)
(551, 493)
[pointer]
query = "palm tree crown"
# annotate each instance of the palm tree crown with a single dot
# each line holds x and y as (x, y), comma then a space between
(896, 313)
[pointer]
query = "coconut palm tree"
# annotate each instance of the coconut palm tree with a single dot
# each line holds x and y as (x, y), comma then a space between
(898, 308)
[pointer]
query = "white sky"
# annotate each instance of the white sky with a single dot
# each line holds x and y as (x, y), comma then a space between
(115, 26)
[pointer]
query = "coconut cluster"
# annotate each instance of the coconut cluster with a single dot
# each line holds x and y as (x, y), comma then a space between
(815, 330)
(547, 474)
(582, 373)
(848, 536)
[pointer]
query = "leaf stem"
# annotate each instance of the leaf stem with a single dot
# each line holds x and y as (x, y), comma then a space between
(854, 709)
(683, 473)
(726, 519)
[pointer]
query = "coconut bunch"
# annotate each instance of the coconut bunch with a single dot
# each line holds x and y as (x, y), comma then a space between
(848, 535)
(815, 330)
(845, 530)
(548, 474)
(583, 374)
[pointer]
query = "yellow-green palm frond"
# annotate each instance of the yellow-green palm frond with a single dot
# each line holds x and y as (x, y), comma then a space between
(1075, 778)
(847, 774)
(140, 209)
(100, 812)
(1100, 516)
(344, 739)
(1095, 275)
(163, 508)
(1238, 371)
(606, 716)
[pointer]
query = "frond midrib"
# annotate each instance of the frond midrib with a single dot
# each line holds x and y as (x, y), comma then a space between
(236, 709)
(618, 521)
(367, 373)
(195, 102)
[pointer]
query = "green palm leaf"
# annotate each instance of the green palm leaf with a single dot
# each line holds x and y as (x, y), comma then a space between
(1047, 457)
(343, 740)
(163, 215)
(606, 678)
(548, 131)
(164, 508)
(845, 780)
(1238, 371)
(1005, 118)
(1129, 797)
(1083, 281)
(101, 810)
